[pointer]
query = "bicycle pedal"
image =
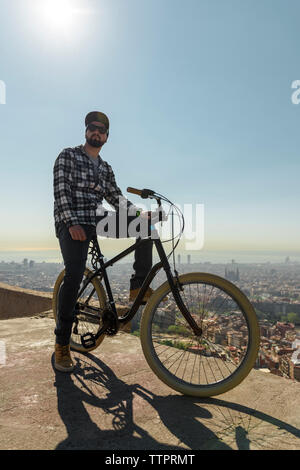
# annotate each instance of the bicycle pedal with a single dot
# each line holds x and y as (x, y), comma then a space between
(88, 340)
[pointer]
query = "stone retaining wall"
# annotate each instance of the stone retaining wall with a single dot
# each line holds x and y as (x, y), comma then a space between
(18, 302)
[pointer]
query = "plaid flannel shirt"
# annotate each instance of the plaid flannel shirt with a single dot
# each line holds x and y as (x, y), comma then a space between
(76, 193)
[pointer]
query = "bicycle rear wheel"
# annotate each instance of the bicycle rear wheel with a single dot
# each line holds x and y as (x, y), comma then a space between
(88, 310)
(221, 357)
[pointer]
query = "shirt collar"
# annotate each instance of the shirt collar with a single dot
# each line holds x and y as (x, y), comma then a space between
(84, 152)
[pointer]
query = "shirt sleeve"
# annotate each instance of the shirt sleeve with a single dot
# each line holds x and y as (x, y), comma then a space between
(62, 175)
(114, 194)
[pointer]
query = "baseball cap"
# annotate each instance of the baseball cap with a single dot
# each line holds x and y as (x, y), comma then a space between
(97, 116)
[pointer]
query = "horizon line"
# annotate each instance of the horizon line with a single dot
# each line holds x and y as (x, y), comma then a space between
(239, 250)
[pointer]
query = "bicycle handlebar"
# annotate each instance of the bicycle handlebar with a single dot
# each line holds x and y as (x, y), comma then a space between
(144, 193)
(134, 191)
(148, 193)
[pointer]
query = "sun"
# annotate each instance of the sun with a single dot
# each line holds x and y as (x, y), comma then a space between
(58, 15)
(60, 23)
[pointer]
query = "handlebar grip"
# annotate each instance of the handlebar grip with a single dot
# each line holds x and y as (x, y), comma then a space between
(134, 191)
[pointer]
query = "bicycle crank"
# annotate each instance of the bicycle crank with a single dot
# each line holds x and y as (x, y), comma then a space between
(110, 320)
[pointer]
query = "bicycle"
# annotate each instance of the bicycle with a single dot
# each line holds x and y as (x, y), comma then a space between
(199, 332)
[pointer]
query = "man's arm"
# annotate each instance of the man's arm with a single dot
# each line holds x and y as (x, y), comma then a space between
(62, 180)
(114, 195)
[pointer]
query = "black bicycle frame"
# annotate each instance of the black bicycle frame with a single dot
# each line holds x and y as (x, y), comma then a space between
(164, 263)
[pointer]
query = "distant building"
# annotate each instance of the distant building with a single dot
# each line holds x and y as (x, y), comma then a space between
(232, 272)
(178, 259)
(289, 367)
(188, 259)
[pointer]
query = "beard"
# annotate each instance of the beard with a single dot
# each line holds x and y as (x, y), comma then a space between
(94, 142)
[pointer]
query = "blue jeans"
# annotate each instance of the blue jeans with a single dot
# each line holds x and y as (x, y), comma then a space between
(75, 254)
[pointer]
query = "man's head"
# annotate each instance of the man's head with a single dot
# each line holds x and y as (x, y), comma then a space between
(97, 128)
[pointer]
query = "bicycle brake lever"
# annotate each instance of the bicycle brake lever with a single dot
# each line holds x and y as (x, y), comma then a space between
(147, 193)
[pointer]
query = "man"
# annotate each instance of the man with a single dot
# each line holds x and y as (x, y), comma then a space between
(81, 181)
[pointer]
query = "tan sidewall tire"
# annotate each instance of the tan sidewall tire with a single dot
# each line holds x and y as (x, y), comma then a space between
(194, 390)
(102, 301)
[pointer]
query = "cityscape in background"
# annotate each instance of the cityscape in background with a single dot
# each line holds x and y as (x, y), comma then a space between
(272, 287)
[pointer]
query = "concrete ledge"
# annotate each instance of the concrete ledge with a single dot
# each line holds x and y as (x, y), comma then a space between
(17, 302)
(113, 401)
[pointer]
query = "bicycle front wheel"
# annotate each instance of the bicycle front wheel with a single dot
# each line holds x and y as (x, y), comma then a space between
(221, 357)
(88, 310)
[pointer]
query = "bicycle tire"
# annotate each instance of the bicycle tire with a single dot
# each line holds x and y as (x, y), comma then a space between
(217, 357)
(99, 302)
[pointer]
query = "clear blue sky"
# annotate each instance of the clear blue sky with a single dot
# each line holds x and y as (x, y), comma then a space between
(199, 98)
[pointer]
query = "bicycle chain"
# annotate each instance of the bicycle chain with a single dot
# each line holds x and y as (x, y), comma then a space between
(95, 254)
(109, 316)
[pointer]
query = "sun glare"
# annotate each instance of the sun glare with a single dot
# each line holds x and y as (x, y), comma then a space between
(58, 15)
(59, 23)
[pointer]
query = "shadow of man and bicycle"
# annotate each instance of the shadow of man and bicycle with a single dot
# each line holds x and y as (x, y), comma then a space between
(94, 386)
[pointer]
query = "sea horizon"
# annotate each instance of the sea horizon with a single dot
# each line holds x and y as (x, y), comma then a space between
(203, 256)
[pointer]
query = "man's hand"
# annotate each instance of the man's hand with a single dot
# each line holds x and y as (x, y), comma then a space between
(145, 214)
(154, 216)
(77, 233)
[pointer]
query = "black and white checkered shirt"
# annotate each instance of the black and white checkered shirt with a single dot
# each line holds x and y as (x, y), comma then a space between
(77, 193)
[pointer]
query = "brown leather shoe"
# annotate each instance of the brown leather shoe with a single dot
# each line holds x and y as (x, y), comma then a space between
(134, 293)
(63, 361)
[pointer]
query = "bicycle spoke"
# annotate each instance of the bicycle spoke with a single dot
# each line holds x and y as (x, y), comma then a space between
(87, 318)
(208, 359)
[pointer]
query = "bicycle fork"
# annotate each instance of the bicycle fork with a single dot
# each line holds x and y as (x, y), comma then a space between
(175, 288)
(178, 299)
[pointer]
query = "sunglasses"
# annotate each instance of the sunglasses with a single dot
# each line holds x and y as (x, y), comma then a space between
(93, 127)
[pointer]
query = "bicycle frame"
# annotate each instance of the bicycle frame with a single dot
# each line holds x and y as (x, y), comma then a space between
(152, 273)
